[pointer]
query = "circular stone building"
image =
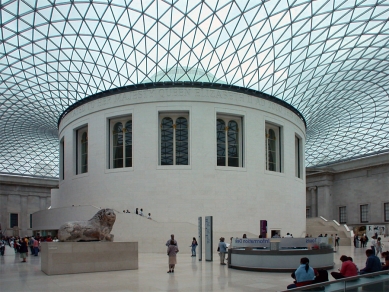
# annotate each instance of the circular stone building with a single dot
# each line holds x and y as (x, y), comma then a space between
(184, 150)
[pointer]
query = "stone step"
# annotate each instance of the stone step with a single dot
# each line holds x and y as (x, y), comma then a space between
(316, 226)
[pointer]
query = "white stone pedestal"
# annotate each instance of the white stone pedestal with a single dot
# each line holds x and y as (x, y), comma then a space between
(59, 258)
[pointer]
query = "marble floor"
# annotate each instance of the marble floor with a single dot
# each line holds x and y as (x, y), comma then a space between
(190, 275)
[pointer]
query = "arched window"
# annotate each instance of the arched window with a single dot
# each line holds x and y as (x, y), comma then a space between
(174, 139)
(221, 142)
(82, 150)
(298, 156)
(228, 141)
(273, 148)
(62, 158)
(117, 148)
(167, 141)
(128, 147)
(121, 145)
(181, 141)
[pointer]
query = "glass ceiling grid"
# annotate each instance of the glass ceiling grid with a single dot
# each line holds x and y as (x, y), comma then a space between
(328, 59)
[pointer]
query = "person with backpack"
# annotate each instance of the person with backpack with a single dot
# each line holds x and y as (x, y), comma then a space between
(194, 245)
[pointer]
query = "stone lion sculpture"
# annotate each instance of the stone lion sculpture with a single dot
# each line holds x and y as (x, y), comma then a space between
(96, 229)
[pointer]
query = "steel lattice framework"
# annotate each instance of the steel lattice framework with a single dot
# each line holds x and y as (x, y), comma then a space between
(329, 59)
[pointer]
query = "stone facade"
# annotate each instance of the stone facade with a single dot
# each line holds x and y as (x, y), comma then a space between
(22, 196)
(350, 184)
(241, 195)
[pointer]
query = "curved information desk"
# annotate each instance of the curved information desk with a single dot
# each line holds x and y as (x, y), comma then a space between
(252, 259)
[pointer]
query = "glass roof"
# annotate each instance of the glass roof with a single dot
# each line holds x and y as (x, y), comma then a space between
(328, 59)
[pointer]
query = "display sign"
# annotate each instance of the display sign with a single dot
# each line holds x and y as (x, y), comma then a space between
(375, 230)
(251, 242)
(200, 239)
(208, 238)
(282, 243)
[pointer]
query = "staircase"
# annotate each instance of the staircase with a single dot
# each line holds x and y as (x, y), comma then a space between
(152, 235)
(319, 225)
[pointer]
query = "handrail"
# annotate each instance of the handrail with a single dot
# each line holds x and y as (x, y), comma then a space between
(343, 282)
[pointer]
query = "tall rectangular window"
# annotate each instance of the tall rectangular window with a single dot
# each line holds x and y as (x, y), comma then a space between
(121, 142)
(82, 150)
(229, 139)
(273, 147)
(364, 213)
(13, 220)
(342, 215)
(30, 220)
(298, 157)
(386, 212)
(174, 138)
(62, 158)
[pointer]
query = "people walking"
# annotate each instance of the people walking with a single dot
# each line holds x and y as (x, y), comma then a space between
(30, 242)
(378, 246)
(337, 239)
(23, 249)
(373, 244)
(2, 246)
(35, 245)
(356, 240)
(171, 238)
(172, 251)
(194, 245)
(222, 249)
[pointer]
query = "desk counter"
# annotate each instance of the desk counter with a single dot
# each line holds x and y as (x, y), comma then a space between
(287, 260)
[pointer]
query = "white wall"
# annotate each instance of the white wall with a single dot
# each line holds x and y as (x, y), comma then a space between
(238, 198)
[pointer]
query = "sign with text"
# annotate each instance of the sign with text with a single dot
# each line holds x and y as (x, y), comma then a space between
(208, 238)
(250, 242)
(284, 243)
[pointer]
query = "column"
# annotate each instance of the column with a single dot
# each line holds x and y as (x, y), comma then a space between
(24, 216)
(314, 201)
(324, 202)
(3, 213)
(42, 203)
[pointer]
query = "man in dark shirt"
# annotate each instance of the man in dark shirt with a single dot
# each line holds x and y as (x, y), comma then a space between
(373, 263)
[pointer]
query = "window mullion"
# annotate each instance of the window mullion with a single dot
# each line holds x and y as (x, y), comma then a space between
(174, 144)
(226, 151)
(124, 144)
(267, 150)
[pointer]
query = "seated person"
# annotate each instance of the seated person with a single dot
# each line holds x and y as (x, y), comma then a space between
(373, 263)
(304, 274)
(351, 260)
(348, 269)
(385, 264)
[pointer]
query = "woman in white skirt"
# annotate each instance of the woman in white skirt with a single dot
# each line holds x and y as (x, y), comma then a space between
(172, 251)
